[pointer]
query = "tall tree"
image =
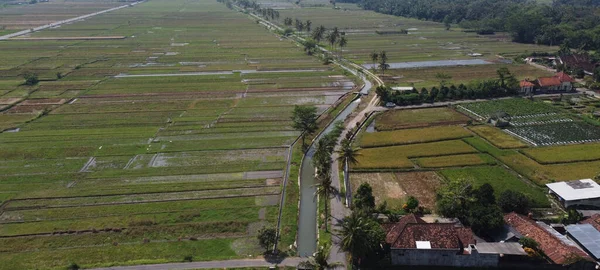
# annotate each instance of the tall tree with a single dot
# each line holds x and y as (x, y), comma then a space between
(383, 65)
(308, 25)
(342, 43)
(325, 191)
(361, 236)
(319, 260)
(332, 39)
(347, 154)
(267, 238)
(305, 120)
(318, 33)
(374, 57)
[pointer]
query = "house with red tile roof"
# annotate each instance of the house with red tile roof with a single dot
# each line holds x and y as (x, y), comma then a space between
(556, 250)
(415, 242)
(526, 87)
(559, 82)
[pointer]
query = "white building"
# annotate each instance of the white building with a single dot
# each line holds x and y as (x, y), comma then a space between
(585, 192)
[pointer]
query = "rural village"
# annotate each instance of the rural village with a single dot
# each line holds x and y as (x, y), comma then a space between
(299, 134)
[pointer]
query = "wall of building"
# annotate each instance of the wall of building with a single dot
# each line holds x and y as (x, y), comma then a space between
(589, 202)
(433, 257)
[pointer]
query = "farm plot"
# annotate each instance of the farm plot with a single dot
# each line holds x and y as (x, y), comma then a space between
(534, 171)
(409, 136)
(454, 161)
(567, 153)
(497, 137)
(500, 179)
(399, 119)
(556, 134)
(516, 107)
(168, 161)
(398, 156)
(424, 41)
(394, 188)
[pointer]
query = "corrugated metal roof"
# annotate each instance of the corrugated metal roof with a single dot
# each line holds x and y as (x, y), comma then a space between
(576, 190)
(587, 236)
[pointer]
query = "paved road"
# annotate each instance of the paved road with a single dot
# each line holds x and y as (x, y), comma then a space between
(39, 28)
(292, 261)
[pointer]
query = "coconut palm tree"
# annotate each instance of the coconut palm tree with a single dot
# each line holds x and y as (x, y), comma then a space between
(383, 65)
(374, 57)
(347, 155)
(355, 231)
(318, 261)
(308, 25)
(318, 33)
(342, 43)
(325, 190)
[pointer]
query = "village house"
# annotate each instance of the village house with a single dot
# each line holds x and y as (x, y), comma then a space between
(585, 192)
(526, 87)
(557, 249)
(415, 242)
(559, 82)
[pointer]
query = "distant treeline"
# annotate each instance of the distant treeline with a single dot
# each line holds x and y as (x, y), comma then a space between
(575, 23)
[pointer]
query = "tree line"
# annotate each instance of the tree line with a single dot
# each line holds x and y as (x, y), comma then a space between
(573, 22)
(505, 85)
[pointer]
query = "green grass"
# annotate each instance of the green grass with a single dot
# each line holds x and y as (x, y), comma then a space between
(500, 179)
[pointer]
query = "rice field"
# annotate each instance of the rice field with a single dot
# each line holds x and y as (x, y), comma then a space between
(167, 143)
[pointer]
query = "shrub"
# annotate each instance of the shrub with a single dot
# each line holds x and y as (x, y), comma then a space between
(31, 78)
(188, 258)
(73, 266)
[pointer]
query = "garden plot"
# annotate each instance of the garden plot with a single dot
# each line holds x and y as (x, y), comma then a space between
(557, 133)
(517, 108)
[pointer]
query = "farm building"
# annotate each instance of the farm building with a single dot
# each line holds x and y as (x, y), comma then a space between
(559, 82)
(414, 242)
(555, 248)
(586, 237)
(585, 192)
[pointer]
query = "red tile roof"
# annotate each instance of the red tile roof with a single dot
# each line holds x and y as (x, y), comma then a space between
(555, 249)
(563, 77)
(594, 220)
(525, 83)
(410, 229)
(549, 81)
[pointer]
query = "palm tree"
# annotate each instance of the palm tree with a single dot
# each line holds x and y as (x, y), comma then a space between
(355, 236)
(374, 58)
(325, 190)
(342, 43)
(318, 33)
(331, 38)
(308, 25)
(383, 65)
(348, 155)
(318, 261)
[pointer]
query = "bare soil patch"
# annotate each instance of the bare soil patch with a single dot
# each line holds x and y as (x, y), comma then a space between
(421, 185)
